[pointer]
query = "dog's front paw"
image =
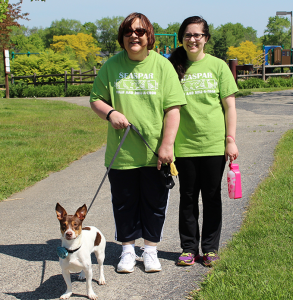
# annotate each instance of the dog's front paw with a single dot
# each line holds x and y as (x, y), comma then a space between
(93, 296)
(102, 280)
(66, 295)
(81, 276)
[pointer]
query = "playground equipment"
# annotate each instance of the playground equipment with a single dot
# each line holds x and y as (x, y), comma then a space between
(277, 55)
(167, 49)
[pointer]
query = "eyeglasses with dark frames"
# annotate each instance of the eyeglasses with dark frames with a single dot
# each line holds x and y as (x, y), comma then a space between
(138, 31)
(197, 36)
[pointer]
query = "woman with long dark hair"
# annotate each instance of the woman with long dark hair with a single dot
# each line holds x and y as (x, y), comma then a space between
(205, 139)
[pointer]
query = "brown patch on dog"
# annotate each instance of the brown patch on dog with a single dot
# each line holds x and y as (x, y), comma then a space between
(98, 239)
(86, 228)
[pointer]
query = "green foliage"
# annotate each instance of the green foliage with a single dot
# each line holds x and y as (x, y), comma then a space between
(229, 35)
(78, 90)
(108, 33)
(280, 82)
(31, 43)
(2, 94)
(3, 9)
(62, 27)
(45, 63)
(278, 32)
(253, 83)
(23, 90)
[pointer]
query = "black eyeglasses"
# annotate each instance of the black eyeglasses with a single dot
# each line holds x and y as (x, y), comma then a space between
(197, 36)
(138, 31)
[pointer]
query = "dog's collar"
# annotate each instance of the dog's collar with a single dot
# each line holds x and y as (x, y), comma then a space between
(72, 251)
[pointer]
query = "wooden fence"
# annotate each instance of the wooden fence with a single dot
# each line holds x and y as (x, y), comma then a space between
(68, 78)
(261, 71)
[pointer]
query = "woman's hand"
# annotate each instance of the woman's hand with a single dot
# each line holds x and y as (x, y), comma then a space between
(231, 150)
(165, 155)
(118, 120)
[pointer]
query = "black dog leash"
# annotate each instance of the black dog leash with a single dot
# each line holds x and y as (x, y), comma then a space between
(166, 174)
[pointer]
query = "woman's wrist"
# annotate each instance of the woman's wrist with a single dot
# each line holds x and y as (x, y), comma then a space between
(109, 113)
(230, 137)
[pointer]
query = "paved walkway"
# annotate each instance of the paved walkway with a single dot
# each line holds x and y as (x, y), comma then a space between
(29, 267)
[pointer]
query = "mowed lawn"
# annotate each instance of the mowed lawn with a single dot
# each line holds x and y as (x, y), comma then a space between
(38, 137)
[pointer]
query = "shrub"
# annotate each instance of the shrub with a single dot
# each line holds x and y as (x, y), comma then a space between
(2, 94)
(78, 90)
(280, 82)
(45, 63)
(23, 90)
(251, 83)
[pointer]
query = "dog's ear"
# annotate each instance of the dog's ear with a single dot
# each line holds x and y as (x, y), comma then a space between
(60, 211)
(81, 212)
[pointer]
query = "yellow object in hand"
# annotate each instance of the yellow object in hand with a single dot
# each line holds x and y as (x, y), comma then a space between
(173, 169)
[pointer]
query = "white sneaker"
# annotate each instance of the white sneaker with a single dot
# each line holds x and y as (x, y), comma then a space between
(151, 261)
(127, 262)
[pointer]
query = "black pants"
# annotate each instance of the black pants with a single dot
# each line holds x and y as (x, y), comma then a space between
(139, 202)
(200, 174)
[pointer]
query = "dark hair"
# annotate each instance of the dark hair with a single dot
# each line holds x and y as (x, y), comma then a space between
(179, 57)
(147, 25)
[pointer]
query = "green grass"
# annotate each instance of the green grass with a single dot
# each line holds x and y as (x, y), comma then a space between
(38, 137)
(258, 262)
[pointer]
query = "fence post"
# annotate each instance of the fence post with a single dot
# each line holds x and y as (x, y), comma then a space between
(65, 81)
(80, 77)
(232, 65)
(12, 80)
(94, 70)
(72, 78)
(35, 79)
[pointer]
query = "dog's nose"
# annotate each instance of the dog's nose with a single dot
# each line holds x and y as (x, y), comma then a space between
(69, 234)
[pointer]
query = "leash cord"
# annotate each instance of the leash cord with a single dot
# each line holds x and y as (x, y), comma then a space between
(130, 126)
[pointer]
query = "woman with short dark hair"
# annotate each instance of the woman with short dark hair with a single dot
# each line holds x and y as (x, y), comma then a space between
(140, 87)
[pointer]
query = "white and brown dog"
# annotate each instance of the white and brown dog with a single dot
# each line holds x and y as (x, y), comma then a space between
(77, 245)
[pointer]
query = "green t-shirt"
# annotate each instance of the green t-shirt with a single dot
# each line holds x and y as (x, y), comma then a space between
(141, 91)
(202, 122)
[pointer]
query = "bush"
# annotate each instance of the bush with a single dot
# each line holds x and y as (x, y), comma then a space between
(251, 83)
(78, 90)
(2, 94)
(280, 82)
(23, 90)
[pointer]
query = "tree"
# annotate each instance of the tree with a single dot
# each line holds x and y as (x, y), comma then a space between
(108, 33)
(62, 27)
(245, 53)
(278, 32)
(91, 28)
(3, 9)
(83, 45)
(229, 35)
(24, 41)
(11, 16)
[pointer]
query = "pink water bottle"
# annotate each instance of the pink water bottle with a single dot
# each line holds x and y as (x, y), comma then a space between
(234, 182)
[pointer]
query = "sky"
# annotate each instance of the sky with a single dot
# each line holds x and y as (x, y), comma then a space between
(253, 13)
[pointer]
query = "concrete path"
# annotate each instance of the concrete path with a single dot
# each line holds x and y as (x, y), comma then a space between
(29, 267)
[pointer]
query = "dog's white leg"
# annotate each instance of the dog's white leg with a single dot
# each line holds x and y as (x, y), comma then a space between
(68, 293)
(100, 255)
(89, 276)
